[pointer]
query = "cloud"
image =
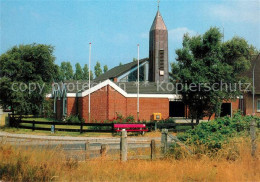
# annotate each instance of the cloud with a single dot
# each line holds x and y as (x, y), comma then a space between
(176, 35)
(237, 11)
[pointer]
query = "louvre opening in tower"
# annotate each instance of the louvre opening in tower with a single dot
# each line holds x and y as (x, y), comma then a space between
(158, 51)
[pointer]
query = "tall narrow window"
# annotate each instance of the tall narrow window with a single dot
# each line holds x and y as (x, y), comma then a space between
(161, 62)
(54, 104)
(258, 105)
(64, 105)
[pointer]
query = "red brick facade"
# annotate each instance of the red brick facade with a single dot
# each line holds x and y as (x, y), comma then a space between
(107, 102)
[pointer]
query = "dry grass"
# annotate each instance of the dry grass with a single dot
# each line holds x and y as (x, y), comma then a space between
(232, 163)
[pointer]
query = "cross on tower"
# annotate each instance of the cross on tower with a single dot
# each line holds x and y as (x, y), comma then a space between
(158, 2)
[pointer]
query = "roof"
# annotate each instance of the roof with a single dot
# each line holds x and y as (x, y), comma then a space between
(158, 23)
(147, 87)
(73, 87)
(118, 70)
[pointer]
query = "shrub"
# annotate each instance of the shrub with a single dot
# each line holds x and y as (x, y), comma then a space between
(74, 119)
(215, 133)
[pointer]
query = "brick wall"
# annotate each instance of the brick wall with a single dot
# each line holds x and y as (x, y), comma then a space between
(58, 109)
(98, 109)
(148, 106)
(117, 103)
(71, 106)
(106, 103)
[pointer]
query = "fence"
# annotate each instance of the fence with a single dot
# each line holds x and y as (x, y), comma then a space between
(123, 148)
(19, 122)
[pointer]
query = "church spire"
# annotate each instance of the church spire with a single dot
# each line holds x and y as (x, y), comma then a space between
(158, 23)
(158, 50)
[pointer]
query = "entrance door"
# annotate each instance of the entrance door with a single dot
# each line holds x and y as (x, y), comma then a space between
(225, 109)
(177, 109)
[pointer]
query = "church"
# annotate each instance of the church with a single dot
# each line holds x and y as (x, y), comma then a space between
(115, 92)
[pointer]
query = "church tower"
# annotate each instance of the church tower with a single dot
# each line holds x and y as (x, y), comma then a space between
(158, 50)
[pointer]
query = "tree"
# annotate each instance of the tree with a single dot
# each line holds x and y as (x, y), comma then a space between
(120, 64)
(66, 71)
(78, 73)
(134, 59)
(205, 63)
(105, 68)
(174, 72)
(27, 73)
(85, 72)
(98, 70)
(91, 75)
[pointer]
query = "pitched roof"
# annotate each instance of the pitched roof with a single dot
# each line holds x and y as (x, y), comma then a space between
(158, 23)
(147, 87)
(118, 70)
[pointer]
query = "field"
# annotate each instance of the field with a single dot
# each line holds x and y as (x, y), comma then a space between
(231, 163)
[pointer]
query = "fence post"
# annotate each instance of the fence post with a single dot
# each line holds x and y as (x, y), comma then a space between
(253, 137)
(33, 127)
(103, 150)
(155, 126)
(81, 128)
(123, 146)
(153, 150)
(164, 140)
(52, 129)
(86, 150)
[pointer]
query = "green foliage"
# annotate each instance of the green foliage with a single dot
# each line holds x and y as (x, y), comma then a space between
(48, 108)
(74, 119)
(24, 64)
(169, 120)
(204, 61)
(66, 71)
(78, 73)
(105, 68)
(98, 70)
(215, 133)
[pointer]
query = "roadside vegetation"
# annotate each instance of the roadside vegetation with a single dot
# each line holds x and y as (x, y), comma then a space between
(232, 162)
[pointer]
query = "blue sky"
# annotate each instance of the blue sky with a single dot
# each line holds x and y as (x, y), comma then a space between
(115, 27)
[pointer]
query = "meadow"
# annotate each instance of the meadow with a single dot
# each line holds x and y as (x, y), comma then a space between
(233, 162)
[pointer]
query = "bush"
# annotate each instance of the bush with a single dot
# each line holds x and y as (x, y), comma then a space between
(73, 119)
(215, 133)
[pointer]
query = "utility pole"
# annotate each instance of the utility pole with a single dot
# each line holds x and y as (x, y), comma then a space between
(137, 82)
(89, 82)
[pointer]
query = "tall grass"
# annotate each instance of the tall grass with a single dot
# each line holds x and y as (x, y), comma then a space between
(233, 162)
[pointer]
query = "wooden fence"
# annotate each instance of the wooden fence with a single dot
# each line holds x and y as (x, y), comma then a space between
(19, 122)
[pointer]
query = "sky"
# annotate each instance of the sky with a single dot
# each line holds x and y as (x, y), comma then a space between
(115, 27)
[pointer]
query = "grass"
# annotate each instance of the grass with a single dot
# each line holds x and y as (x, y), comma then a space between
(73, 134)
(232, 163)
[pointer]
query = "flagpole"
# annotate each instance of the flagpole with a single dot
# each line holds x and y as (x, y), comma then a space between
(89, 82)
(137, 82)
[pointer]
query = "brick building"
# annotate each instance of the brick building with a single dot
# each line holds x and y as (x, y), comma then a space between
(115, 92)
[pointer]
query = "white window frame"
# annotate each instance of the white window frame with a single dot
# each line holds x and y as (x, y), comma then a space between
(258, 105)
